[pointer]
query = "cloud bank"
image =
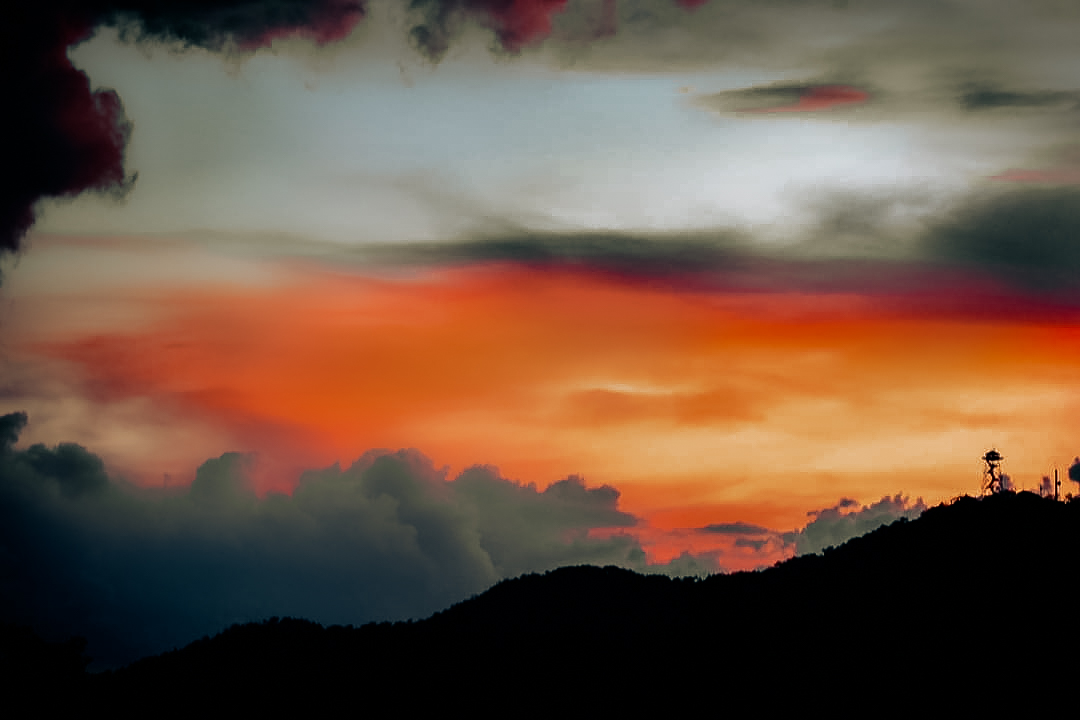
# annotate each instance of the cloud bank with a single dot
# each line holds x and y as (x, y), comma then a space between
(140, 571)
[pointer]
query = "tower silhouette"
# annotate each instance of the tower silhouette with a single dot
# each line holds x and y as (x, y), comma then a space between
(992, 472)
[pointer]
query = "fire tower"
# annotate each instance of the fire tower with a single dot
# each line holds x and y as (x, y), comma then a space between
(992, 472)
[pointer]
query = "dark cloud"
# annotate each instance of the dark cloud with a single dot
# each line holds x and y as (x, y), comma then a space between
(999, 251)
(139, 571)
(1028, 237)
(613, 252)
(831, 526)
(755, 545)
(61, 136)
(923, 62)
(836, 525)
(901, 42)
(1074, 471)
(213, 24)
(515, 24)
(897, 244)
(523, 529)
(713, 261)
(223, 482)
(659, 35)
(75, 471)
(976, 97)
(736, 528)
(10, 427)
(785, 97)
(859, 99)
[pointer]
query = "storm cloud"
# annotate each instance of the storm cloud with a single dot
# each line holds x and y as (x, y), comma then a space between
(139, 570)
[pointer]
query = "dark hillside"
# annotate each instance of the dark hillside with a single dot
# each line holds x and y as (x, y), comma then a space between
(971, 593)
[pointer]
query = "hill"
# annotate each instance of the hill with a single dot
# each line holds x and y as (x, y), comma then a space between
(973, 594)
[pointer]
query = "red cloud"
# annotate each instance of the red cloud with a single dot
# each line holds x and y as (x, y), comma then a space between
(518, 22)
(822, 97)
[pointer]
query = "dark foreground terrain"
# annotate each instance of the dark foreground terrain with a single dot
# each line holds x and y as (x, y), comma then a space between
(972, 600)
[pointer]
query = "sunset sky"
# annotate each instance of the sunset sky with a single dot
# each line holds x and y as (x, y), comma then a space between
(740, 261)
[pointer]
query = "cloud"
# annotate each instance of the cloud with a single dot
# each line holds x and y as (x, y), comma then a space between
(1054, 176)
(516, 24)
(723, 259)
(1074, 471)
(901, 43)
(69, 137)
(867, 60)
(784, 98)
(66, 137)
(836, 525)
(992, 75)
(10, 426)
(759, 546)
(611, 252)
(1065, 171)
(977, 97)
(1029, 237)
(140, 570)
(899, 242)
(736, 528)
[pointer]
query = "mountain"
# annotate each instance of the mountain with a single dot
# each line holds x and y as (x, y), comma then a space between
(973, 595)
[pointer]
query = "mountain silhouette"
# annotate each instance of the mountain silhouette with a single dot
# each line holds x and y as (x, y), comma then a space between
(970, 602)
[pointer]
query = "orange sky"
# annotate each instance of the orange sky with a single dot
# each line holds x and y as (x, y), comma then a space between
(699, 406)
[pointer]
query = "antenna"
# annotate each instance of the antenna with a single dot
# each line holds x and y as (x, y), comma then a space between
(992, 472)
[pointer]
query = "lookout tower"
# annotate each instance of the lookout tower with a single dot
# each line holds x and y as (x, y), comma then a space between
(992, 472)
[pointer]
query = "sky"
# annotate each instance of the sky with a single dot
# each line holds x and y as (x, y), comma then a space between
(350, 309)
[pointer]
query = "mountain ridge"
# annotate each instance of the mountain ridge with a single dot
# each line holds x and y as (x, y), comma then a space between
(944, 600)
